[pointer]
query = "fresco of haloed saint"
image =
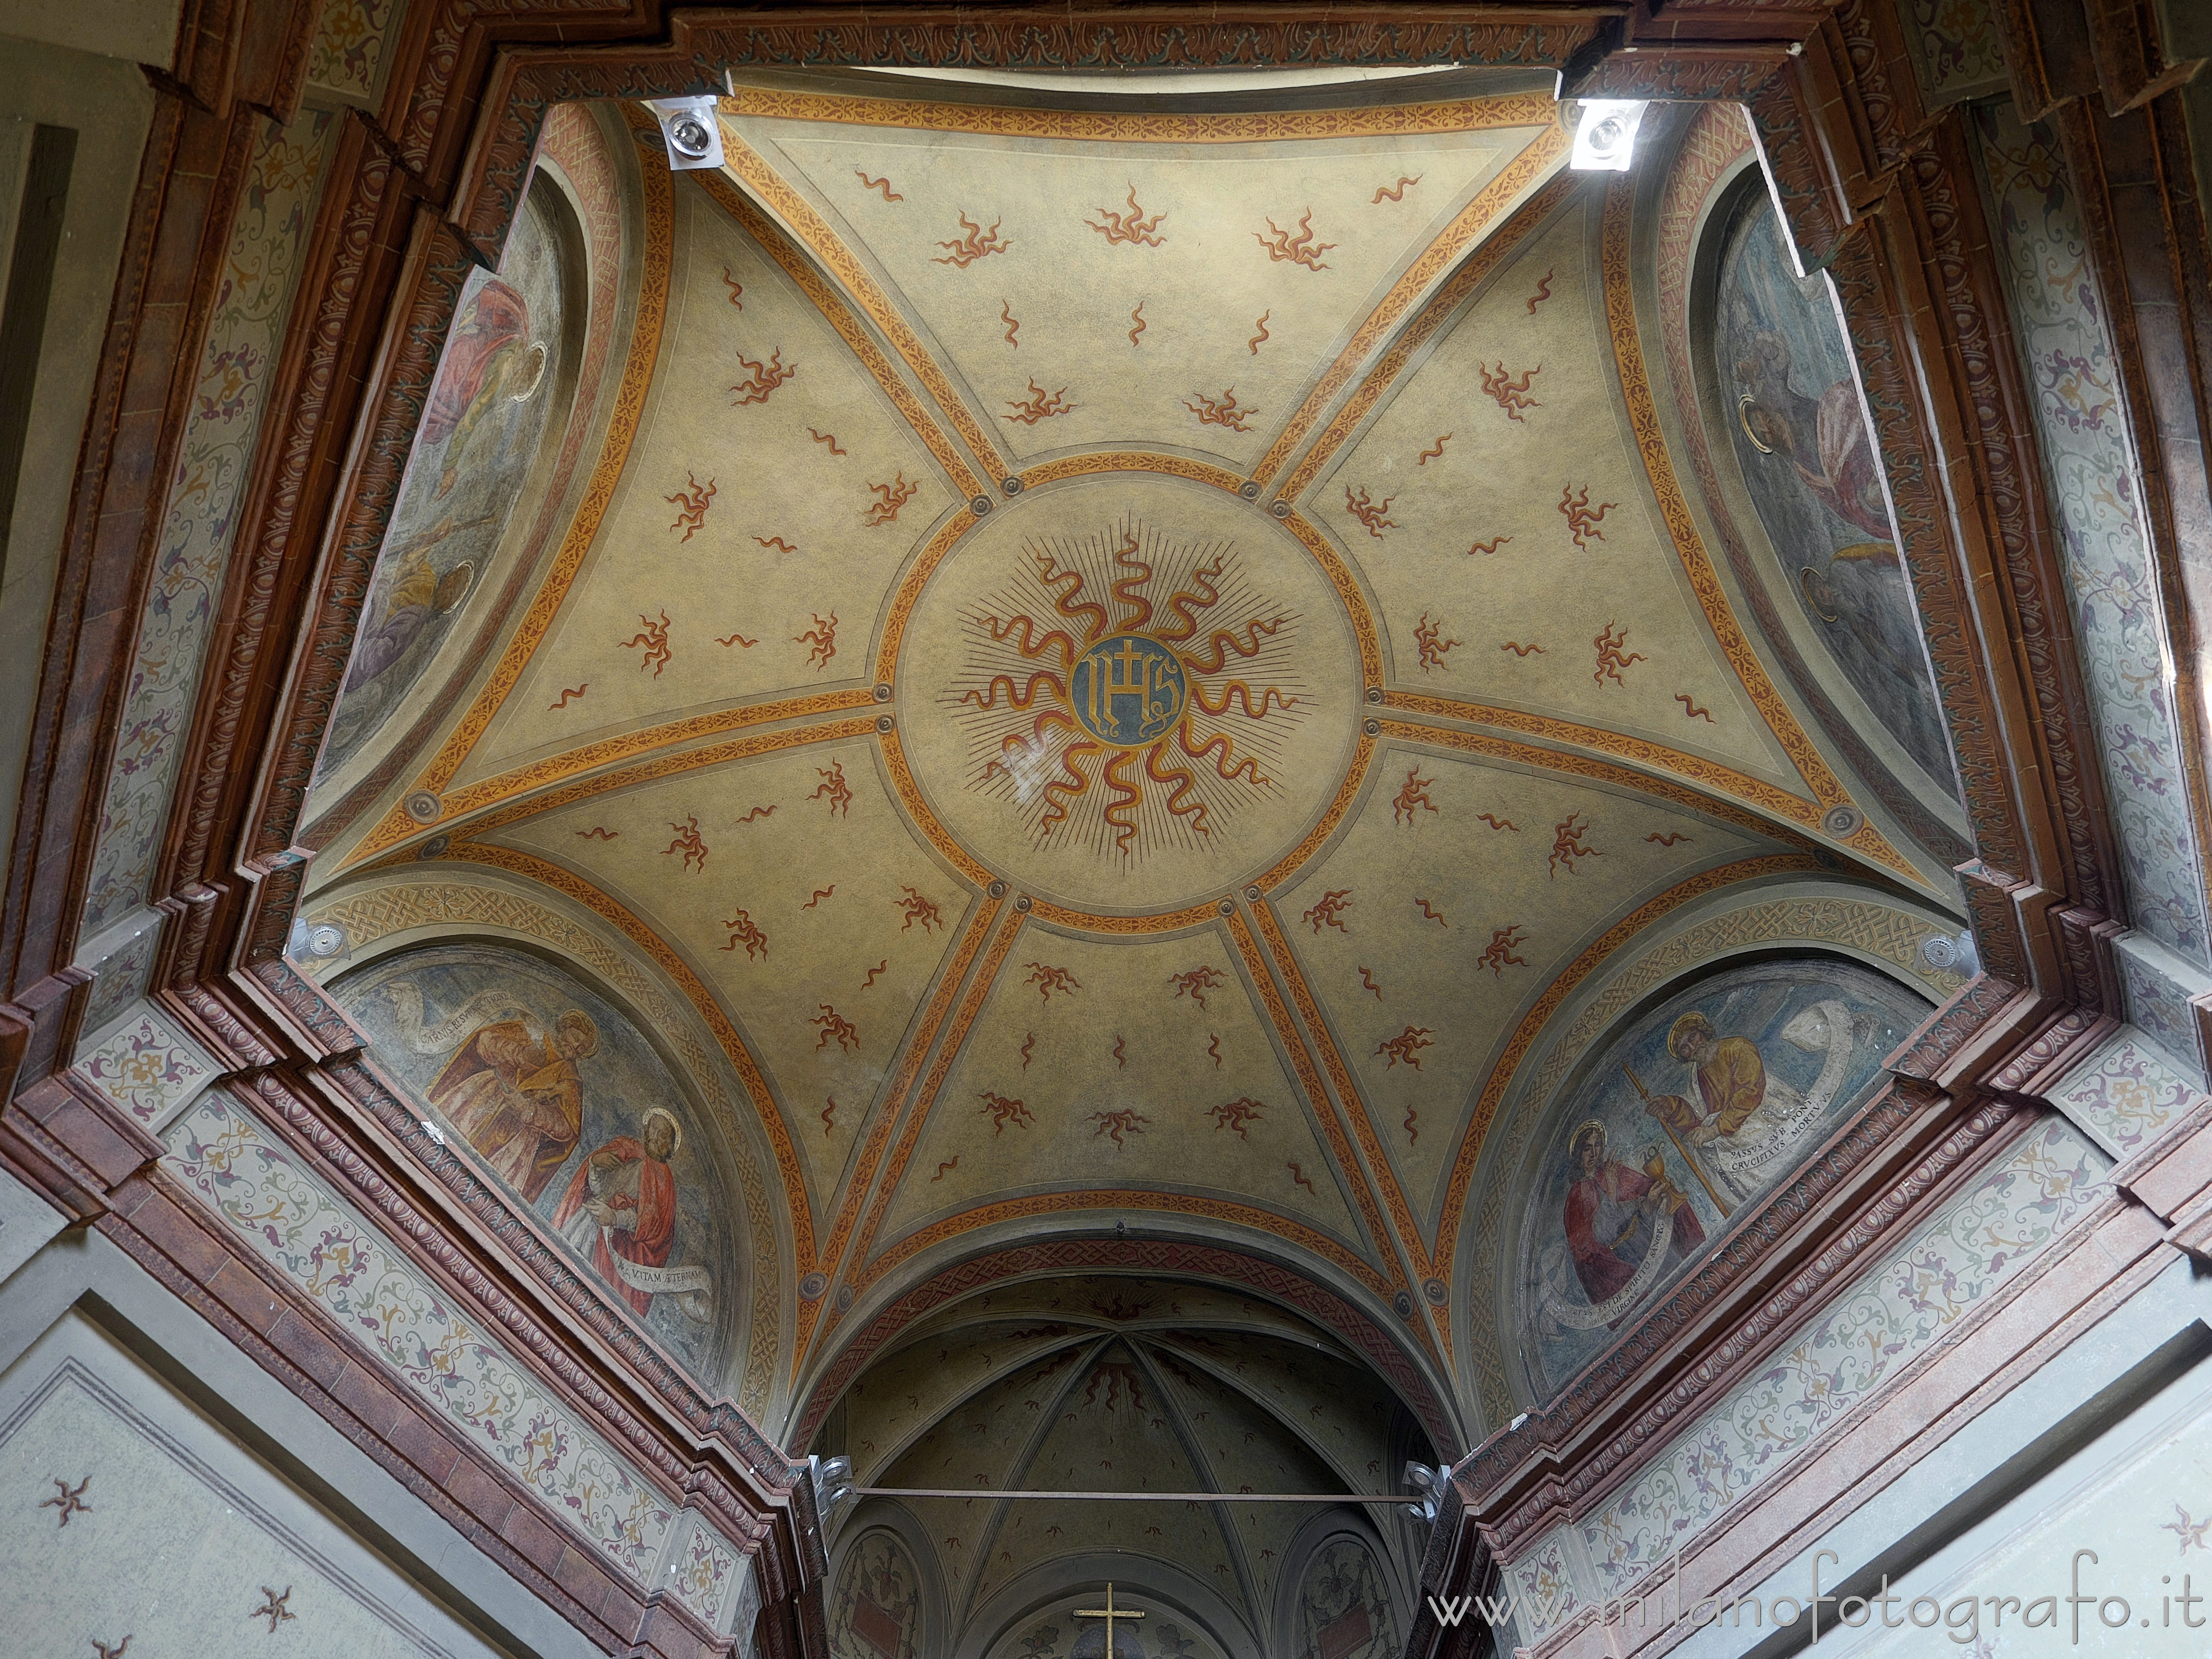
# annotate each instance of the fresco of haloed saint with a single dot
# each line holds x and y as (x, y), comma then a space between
(1678, 1121)
(562, 1099)
(1810, 466)
(1344, 1608)
(877, 1610)
(500, 376)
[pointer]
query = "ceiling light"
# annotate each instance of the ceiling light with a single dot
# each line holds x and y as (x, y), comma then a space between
(694, 135)
(1606, 140)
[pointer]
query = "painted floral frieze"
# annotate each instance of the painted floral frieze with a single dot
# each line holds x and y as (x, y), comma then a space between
(2092, 478)
(2128, 1092)
(1980, 1242)
(146, 1067)
(258, 1188)
(245, 335)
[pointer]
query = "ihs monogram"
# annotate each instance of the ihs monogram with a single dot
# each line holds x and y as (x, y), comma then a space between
(1128, 690)
(1112, 720)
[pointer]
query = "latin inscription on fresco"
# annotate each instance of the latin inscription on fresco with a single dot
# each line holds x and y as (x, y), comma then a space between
(1676, 1124)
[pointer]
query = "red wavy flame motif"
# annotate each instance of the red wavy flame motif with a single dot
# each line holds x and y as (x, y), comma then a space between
(1126, 692)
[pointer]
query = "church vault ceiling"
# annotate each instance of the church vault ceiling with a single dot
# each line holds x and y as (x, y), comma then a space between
(1095, 682)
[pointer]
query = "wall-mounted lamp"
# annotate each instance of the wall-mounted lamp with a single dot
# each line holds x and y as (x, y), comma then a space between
(693, 135)
(1606, 140)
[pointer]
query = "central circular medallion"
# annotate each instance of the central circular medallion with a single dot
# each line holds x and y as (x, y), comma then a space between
(1128, 690)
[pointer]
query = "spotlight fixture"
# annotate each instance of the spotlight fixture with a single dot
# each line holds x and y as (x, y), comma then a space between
(1433, 1485)
(694, 135)
(1606, 140)
(833, 1482)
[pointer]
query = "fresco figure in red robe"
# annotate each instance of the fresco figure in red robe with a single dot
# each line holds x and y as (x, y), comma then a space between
(1610, 1215)
(489, 340)
(1825, 437)
(621, 1204)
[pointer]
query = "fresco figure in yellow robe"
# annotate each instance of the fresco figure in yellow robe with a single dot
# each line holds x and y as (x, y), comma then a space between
(1744, 1124)
(1731, 1081)
(517, 1098)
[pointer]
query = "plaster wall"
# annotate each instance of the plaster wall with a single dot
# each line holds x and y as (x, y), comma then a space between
(207, 1477)
(78, 70)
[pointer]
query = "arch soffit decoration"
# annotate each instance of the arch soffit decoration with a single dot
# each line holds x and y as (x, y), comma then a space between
(1195, 1368)
(1376, 1342)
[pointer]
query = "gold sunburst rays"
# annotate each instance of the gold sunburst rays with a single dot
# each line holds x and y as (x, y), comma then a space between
(1128, 690)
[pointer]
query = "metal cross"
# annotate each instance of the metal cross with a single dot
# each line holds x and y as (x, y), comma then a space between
(1110, 1613)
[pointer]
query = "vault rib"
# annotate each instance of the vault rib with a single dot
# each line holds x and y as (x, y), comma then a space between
(832, 305)
(1026, 1457)
(1544, 154)
(1730, 795)
(1499, 250)
(1540, 1013)
(868, 1271)
(1187, 1354)
(1210, 1480)
(979, 990)
(910, 797)
(750, 1075)
(664, 765)
(1127, 1198)
(749, 166)
(949, 981)
(1406, 1230)
(1689, 546)
(884, 1462)
(499, 795)
(1392, 1243)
